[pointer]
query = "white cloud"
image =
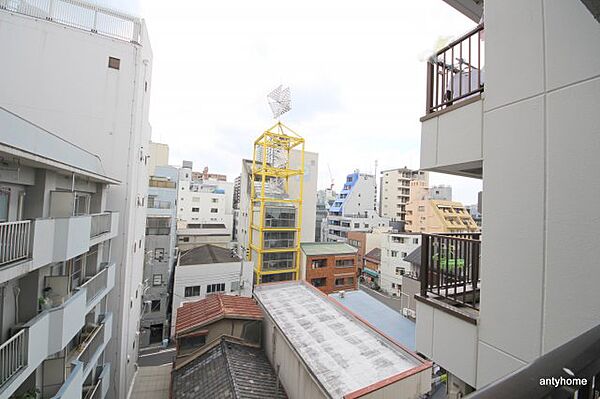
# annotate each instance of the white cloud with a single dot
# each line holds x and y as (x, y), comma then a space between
(358, 84)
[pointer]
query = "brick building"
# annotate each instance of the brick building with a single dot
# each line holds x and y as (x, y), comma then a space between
(331, 267)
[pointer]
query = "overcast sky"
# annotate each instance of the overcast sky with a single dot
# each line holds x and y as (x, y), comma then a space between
(355, 69)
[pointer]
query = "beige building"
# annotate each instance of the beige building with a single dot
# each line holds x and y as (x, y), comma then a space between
(159, 156)
(436, 216)
(394, 190)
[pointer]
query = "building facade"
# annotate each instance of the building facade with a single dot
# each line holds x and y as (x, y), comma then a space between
(394, 191)
(523, 131)
(394, 248)
(161, 254)
(90, 85)
(57, 267)
(330, 267)
(205, 270)
(354, 209)
(325, 198)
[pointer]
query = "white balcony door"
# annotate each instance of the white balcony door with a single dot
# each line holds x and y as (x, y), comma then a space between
(4, 200)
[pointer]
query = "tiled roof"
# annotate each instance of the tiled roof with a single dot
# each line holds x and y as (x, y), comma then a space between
(327, 248)
(213, 308)
(414, 257)
(207, 254)
(374, 254)
(228, 369)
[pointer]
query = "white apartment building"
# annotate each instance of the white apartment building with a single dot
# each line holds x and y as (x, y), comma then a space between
(205, 209)
(354, 209)
(394, 247)
(530, 120)
(57, 266)
(394, 190)
(84, 73)
(209, 269)
(309, 200)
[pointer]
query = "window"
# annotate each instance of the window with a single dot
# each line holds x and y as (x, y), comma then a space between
(114, 63)
(191, 342)
(421, 209)
(400, 271)
(157, 279)
(158, 226)
(319, 282)
(195, 209)
(415, 240)
(192, 291)
(356, 225)
(394, 254)
(403, 254)
(155, 305)
(318, 263)
(159, 253)
(393, 285)
(280, 217)
(212, 288)
(214, 200)
(344, 263)
(214, 210)
(185, 239)
(278, 260)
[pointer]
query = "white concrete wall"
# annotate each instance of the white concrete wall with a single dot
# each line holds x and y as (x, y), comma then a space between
(60, 80)
(204, 275)
(540, 134)
(447, 340)
(389, 262)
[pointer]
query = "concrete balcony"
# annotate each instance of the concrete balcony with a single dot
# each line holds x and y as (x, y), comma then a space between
(52, 240)
(452, 129)
(51, 331)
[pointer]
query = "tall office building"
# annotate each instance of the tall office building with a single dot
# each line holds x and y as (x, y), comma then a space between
(394, 190)
(83, 73)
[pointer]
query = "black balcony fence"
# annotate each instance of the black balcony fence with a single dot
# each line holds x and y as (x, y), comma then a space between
(455, 72)
(450, 267)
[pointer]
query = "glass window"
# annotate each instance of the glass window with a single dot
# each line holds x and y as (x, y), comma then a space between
(212, 288)
(155, 305)
(279, 260)
(157, 279)
(192, 291)
(279, 239)
(195, 209)
(280, 217)
(344, 263)
(214, 210)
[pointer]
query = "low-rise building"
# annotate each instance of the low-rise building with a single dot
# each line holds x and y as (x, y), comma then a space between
(323, 350)
(394, 248)
(227, 368)
(204, 321)
(205, 270)
(330, 267)
(371, 268)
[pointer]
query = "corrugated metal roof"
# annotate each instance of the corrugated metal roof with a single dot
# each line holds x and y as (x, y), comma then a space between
(207, 254)
(327, 248)
(213, 308)
(229, 369)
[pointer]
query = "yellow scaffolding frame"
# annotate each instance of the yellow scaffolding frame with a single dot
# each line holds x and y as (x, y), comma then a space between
(277, 137)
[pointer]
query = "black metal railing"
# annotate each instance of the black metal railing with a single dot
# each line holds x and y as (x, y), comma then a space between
(456, 71)
(570, 371)
(450, 267)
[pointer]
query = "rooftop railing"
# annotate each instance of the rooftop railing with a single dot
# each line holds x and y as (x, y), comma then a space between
(79, 14)
(455, 72)
(450, 267)
(14, 241)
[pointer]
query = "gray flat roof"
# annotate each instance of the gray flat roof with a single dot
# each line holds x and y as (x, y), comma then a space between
(327, 248)
(342, 352)
(207, 254)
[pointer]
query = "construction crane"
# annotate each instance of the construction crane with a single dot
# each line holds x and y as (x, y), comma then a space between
(330, 177)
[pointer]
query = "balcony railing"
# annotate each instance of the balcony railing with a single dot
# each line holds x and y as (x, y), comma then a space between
(93, 391)
(14, 241)
(570, 371)
(95, 285)
(100, 224)
(156, 204)
(91, 344)
(450, 267)
(13, 356)
(79, 14)
(455, 72)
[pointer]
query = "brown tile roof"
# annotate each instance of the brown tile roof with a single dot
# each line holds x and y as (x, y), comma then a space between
(213, 308)
(374, 254)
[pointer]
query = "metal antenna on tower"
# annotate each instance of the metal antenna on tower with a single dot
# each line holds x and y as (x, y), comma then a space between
(280, 101)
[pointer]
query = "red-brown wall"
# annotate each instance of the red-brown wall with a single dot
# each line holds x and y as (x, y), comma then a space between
(330, 272)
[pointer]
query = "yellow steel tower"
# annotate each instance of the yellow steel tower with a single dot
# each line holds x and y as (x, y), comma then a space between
(276, 204)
